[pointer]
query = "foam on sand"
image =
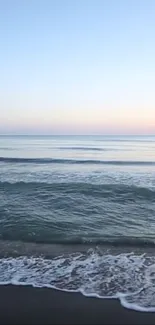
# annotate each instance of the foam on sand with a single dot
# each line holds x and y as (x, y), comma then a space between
(129, 277)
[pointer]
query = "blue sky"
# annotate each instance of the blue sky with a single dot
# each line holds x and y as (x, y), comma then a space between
(82, 67)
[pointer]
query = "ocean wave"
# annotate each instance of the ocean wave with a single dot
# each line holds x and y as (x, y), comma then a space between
(77, 213)
(75, 161)
(111, 241)
(126, 276)
(86, 188)
(8, 148)
(84, 148)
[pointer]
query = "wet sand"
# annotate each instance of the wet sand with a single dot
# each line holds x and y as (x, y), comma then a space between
(27, 305)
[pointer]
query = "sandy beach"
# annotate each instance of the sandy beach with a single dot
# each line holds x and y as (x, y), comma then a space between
(27, 305)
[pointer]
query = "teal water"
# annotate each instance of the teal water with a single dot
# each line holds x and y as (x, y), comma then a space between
(94, 196)
(77, 189)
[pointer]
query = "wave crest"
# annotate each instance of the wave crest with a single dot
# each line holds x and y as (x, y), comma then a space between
(75, 161)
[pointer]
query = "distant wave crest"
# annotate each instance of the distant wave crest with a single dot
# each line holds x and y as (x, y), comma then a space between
(83, 148)
(75, 161)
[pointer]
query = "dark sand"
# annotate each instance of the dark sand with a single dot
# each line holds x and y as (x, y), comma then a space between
(27, 305)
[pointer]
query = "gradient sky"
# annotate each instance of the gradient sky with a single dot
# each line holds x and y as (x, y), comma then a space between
(77, 66)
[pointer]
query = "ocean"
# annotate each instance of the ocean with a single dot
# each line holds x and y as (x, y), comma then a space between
(77, 213)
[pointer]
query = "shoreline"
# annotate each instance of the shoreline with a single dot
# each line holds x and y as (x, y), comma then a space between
(28, 305)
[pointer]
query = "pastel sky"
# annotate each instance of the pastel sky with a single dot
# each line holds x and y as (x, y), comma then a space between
(77, 66)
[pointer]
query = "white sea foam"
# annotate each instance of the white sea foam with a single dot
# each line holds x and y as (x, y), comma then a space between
(129, 277)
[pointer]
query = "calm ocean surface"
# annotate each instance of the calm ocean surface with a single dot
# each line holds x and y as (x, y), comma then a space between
(78, 213)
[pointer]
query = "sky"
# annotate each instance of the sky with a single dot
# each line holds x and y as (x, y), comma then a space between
(77, 67)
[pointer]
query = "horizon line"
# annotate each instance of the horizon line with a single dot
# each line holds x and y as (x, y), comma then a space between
(81, 135)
